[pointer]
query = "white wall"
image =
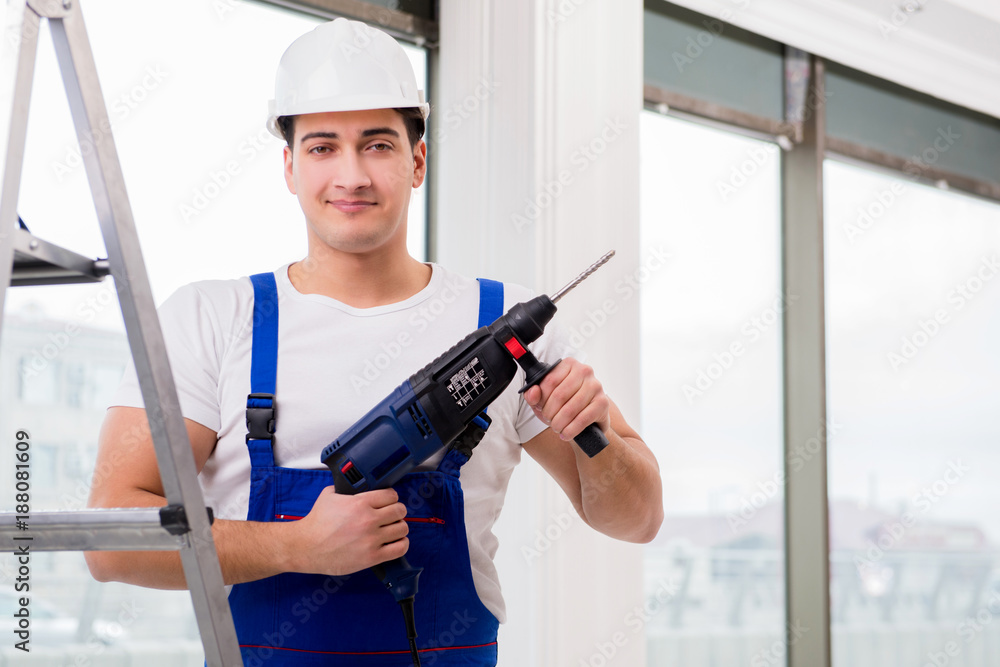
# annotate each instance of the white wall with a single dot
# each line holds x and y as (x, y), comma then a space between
(537, 148)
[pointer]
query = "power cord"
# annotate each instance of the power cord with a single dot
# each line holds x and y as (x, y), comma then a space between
(406, 604)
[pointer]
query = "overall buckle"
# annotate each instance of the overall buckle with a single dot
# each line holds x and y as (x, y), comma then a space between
(260, 420)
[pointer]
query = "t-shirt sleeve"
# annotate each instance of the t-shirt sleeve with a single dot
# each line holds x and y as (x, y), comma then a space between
(189, 327)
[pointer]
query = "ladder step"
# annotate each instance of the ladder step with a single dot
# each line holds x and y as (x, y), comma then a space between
(38, 262)
(131, 529)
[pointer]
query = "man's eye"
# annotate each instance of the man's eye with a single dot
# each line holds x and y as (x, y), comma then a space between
(380, 147)
(319, 149)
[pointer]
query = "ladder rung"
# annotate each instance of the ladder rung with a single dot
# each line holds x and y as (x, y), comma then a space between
(38, 262)
(133, 529)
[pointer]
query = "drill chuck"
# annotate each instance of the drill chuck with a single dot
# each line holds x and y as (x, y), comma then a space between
(527, 320)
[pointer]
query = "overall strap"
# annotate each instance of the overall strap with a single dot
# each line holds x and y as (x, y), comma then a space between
(263, 371)
(490, 309)
(490, 301)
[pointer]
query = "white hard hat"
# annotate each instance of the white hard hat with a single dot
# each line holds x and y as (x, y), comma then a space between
(343, 65)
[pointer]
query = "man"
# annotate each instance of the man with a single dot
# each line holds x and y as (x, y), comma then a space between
(295, 553)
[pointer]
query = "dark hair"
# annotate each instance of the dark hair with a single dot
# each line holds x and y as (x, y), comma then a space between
(412, 120)
(286, 125)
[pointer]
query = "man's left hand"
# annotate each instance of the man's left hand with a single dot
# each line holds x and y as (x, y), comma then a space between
(569, 399)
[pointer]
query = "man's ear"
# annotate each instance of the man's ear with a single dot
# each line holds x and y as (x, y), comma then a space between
(289, 169)
(419, 163)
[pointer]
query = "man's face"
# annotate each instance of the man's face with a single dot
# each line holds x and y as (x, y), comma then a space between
(353, 172)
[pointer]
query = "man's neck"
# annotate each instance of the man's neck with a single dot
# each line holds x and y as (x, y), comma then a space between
(360, 281)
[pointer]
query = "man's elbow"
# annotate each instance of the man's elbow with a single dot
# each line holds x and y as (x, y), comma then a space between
(102, 565)
(639, 526)
(647, 516)
(650, 528)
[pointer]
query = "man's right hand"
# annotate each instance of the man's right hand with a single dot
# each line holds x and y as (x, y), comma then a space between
(344, 534)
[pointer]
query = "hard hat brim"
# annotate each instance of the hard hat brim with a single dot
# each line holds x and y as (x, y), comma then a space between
(342, 103)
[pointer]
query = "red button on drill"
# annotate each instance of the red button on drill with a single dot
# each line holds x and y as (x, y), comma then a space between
(514, 348)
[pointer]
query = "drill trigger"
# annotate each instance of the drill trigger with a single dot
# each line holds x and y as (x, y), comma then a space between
(473, 434)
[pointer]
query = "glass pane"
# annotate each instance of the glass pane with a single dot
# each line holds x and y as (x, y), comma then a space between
(711, 392)
(422, 8)
(912, 318)
(703, 57)
(925, 131)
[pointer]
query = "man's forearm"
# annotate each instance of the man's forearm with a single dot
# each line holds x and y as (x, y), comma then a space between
(618, 492)
(247, 551)
(621, 491)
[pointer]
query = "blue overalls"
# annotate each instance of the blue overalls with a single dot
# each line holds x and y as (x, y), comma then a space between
(307, 619)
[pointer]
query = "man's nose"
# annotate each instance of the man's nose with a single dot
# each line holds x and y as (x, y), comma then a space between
(352, 173)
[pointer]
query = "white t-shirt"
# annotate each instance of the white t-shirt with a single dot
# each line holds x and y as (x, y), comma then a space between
(335, 363)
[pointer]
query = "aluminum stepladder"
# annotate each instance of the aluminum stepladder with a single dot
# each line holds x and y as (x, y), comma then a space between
(184, 524)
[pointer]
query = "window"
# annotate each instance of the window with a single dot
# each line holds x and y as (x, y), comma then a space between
(711, 387)
(912, 317)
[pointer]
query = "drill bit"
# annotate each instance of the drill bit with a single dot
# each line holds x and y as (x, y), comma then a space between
(579, 279)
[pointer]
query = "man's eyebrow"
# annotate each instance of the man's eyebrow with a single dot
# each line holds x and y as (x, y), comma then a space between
(319, 135)
(372, 132)
(380, 130)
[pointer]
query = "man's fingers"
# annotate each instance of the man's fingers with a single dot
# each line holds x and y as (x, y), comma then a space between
(533, 396)
(579, 407)
(592, 415)
(539, 395)
(393, 550)
(394, 531)
(560, 386)
(391, 514)
(569, 399)
(381, 497)
(562, 396)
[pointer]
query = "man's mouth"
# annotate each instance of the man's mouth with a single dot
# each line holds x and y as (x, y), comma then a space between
(352, 205)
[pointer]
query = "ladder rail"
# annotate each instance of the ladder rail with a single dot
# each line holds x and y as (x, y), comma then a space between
(175, 459)
(17, 67)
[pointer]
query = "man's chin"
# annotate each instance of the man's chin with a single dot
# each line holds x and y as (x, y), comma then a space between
(354, 239)
(360, 245)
